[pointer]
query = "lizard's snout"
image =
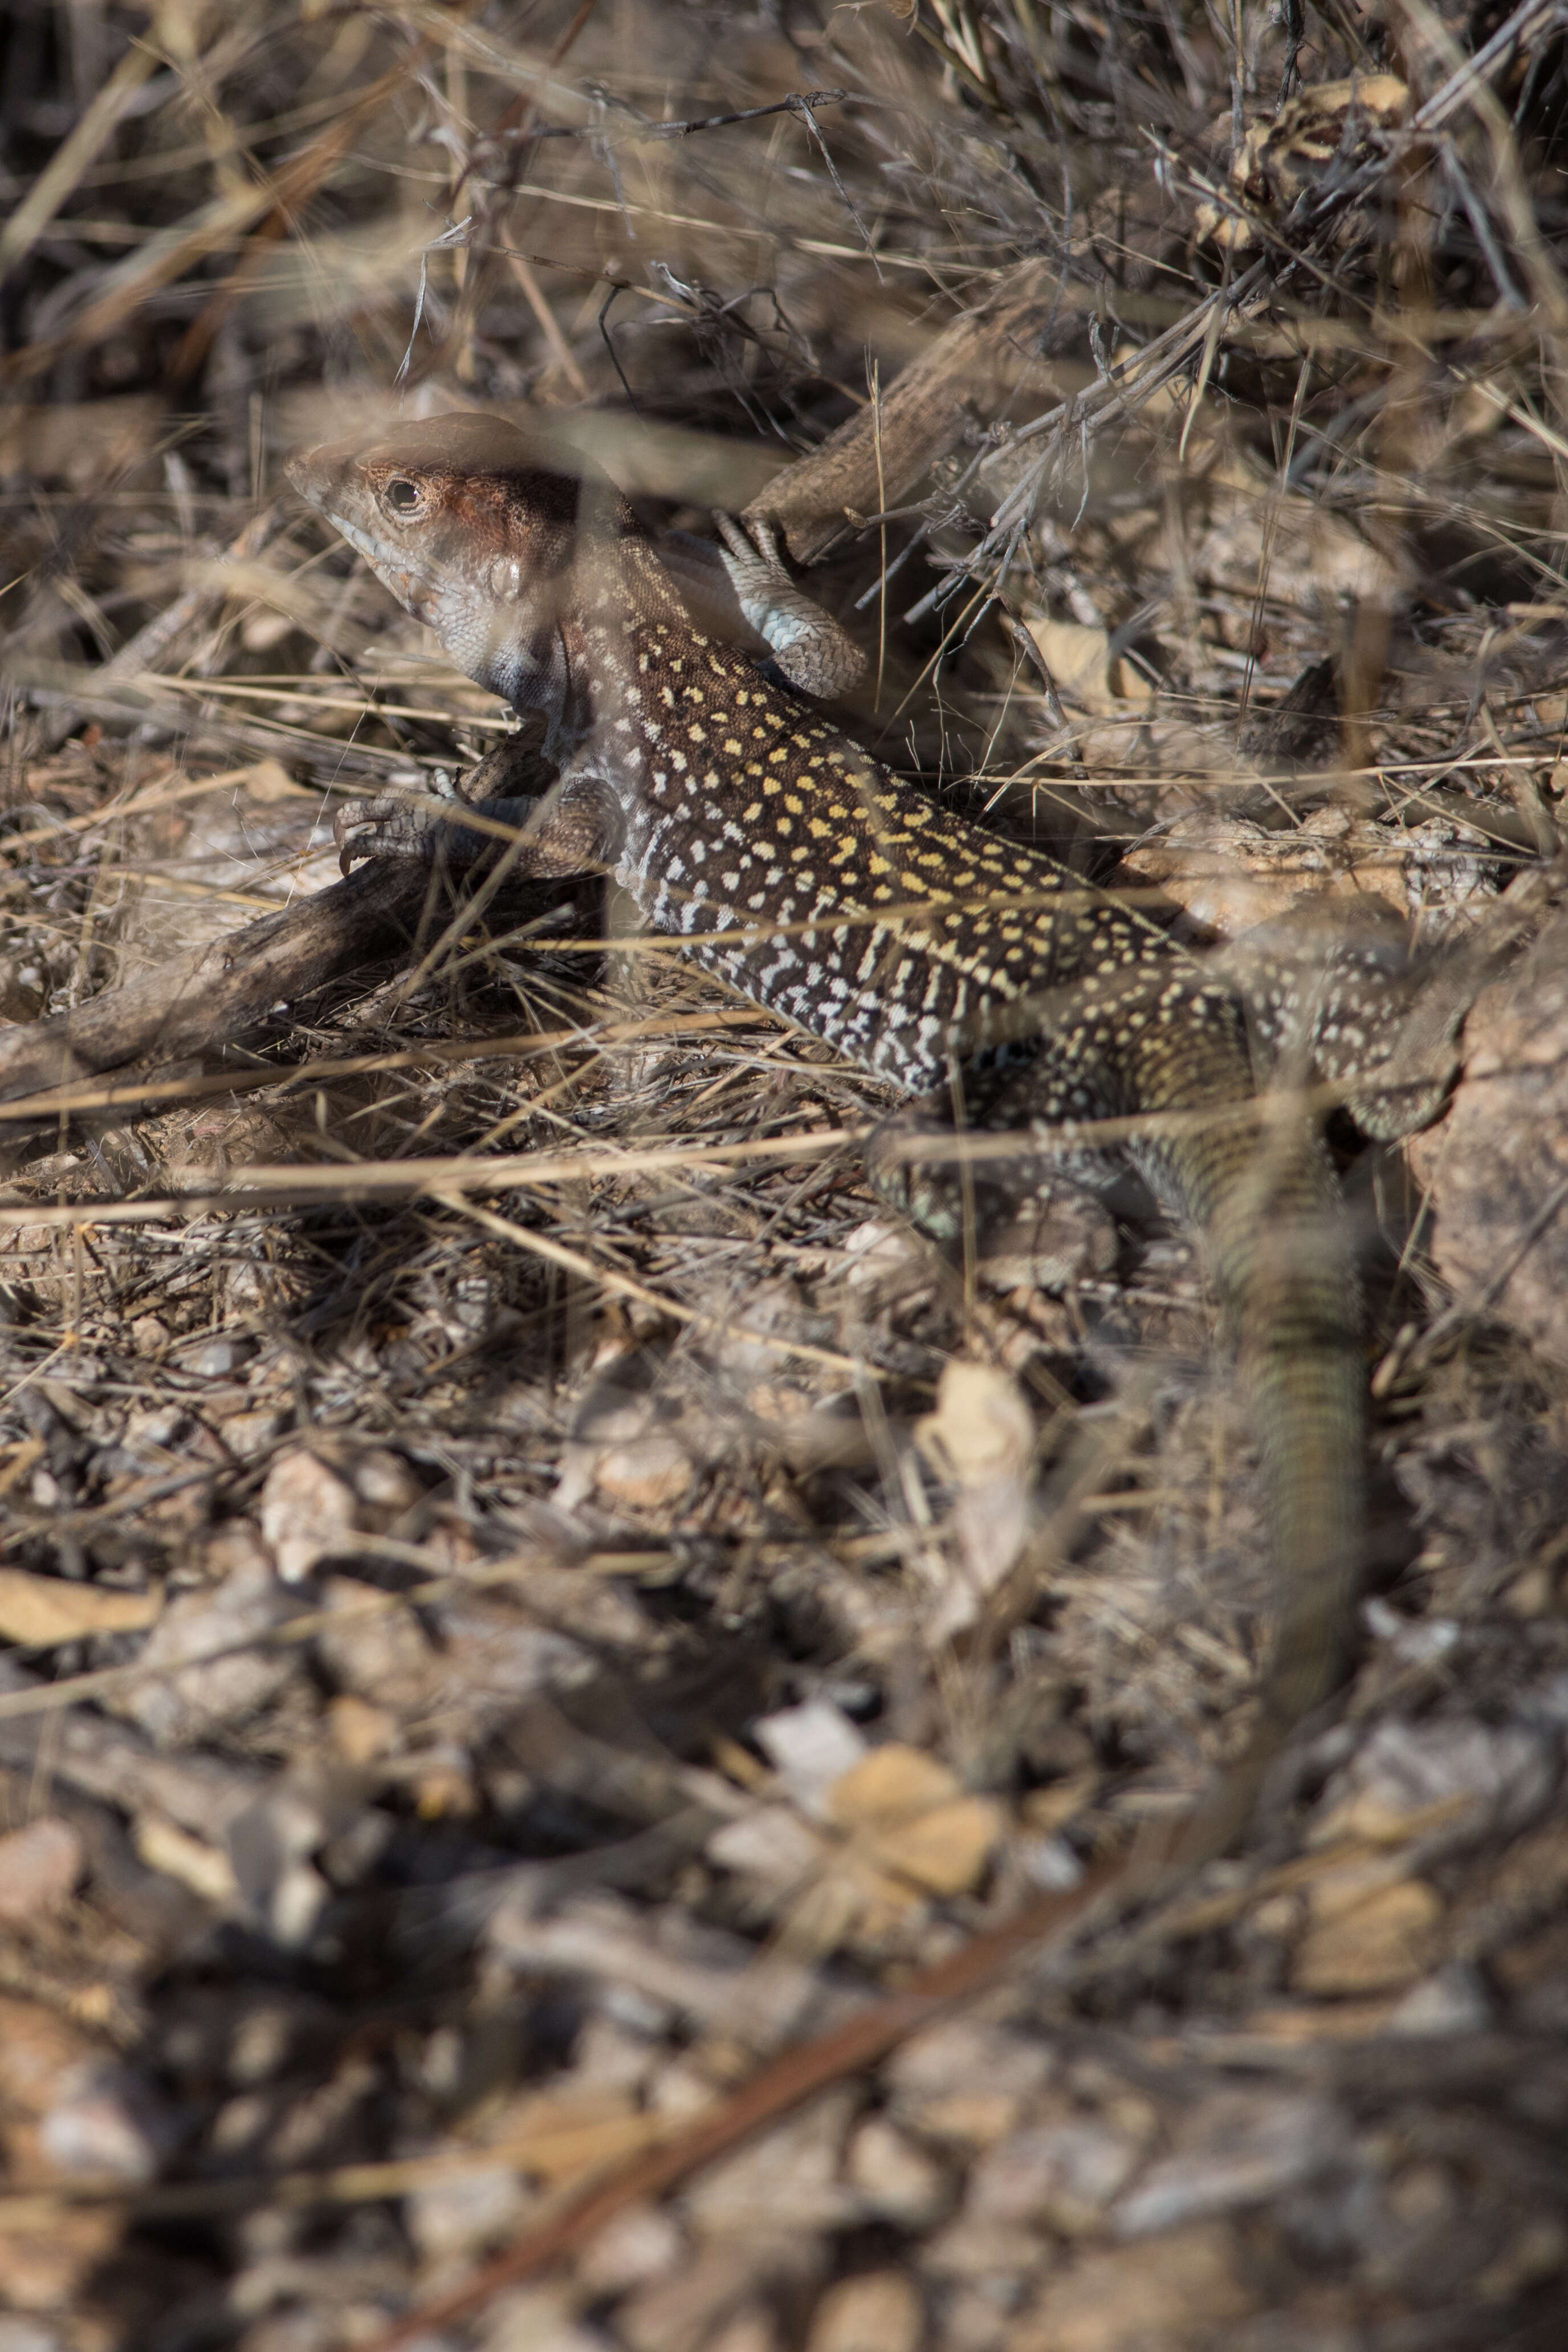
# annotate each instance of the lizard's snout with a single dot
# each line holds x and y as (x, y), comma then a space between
(308, 472)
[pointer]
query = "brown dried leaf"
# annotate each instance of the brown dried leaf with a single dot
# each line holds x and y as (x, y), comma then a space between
(37, 1612)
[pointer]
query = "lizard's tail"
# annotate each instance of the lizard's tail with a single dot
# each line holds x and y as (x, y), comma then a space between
(1263, 1188)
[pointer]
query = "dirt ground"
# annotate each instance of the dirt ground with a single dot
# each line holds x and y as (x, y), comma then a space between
(527, 1594)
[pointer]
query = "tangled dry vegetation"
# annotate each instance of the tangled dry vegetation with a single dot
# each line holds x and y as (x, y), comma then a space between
(657, 1605)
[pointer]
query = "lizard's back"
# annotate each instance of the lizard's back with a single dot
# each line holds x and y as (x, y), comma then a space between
(900, 931)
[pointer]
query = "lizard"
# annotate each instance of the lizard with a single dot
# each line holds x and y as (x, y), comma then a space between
(947, 958)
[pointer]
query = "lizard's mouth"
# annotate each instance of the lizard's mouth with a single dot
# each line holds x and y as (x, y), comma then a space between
(399, 571)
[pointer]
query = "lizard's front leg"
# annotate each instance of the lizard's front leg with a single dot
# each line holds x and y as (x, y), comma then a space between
(573, 826)
(808, 644)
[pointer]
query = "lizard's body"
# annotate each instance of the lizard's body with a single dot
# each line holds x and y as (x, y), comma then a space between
(803, 874)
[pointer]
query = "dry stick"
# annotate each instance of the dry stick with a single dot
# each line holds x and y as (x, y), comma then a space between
(146, 649)
(293, 187)
(516, 1045)
(212, 997)
(622, 1285)
(298, 1185)
(72, 157)
(163, 259)
(779, 2088)
(915, 422)
(514, 125)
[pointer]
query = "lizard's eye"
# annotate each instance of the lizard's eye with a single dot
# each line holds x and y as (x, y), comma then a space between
(401, 496)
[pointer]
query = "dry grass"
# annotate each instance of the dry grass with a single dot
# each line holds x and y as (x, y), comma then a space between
(497, 1353)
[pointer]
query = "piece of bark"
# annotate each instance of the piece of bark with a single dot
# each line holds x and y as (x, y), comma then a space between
(1497, 1168)
(969, 369)
(1029, 334)
(201, 1003)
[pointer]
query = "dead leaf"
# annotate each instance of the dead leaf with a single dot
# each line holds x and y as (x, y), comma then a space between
(556, 2139)
(944, 1851)
(889, 1785)
(190, 1860)
(982, 1428)
(269, 781)
(982, 1437)
(36, 1612)
(1079, 659)
(1366, 1939)
(39, 1866)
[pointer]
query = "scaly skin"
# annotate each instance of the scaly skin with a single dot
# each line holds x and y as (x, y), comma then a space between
(803, 873)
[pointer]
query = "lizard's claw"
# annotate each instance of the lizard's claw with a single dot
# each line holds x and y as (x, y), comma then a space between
(380, 828)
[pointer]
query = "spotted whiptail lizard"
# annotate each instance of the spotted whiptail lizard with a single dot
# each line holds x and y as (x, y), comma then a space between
(799, 870)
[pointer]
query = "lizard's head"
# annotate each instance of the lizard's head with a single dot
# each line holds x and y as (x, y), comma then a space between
(472, 523)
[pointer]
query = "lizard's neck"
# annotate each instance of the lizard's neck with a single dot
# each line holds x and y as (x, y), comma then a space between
(622, 589)
(574, 659)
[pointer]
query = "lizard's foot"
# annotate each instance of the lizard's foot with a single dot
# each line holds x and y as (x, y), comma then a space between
(397, 825)
(808, 644)
(499, 797)
(1027, 1224)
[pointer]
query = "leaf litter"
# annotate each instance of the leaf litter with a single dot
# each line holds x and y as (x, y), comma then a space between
(526, 1597)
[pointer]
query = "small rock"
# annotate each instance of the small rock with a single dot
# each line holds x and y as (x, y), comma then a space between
(37, 2052)
(196, 1693)
(791, 2176)
(18, 2335)
(385, 1484)
(898, 2182)
(529, 2319)
(1179, 2291)
(748, 2330)
(642, 2243)
(1405, 1769)
(246, 1433)
(108, 2122)
(21, 998)
(307, 1514)
(963, 2055)
(39, 1866)
(215, 1360)
(649, 1475)
(1236, 2151)
(380, 1653)
(690, 2306)
(881, 2311)
(360, 1732)
(1452, 2002)
(47, 2269)
(810, 1748)
(771, 1842)
(1064, 2175)
(462, 2213)
(269, 1845)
